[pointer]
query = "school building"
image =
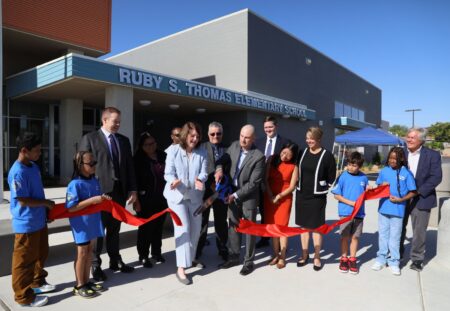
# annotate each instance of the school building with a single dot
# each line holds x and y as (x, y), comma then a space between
(235, 69)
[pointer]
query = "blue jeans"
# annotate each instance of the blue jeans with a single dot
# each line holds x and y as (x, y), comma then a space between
(389, 232)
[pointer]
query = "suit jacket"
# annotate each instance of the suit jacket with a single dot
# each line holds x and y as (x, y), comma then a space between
(260, 143)
(212, 163)
(177, 167)
(96, 143)
(428, 177)
(250, 175)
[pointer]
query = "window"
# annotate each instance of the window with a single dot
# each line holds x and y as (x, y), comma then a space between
(338, 110)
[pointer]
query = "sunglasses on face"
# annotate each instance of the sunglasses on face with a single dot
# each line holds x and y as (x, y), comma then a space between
(91, 164)
(215, 134)
(176, 134)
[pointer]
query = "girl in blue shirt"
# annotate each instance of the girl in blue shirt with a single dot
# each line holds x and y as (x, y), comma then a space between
(82, 192)
(391, 210)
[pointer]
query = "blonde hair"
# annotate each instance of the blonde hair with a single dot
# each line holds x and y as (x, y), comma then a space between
(316, 132)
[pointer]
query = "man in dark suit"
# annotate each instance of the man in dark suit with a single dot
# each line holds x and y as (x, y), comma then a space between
(425, 164)
(269, 145)
(215, 151)
(247, 173)
(115, 172)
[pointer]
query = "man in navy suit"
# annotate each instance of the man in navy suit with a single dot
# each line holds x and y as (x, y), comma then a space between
(115, 172)
(269, 145)
(425, 164)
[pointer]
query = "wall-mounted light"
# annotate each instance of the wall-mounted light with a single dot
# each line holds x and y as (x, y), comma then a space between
(200, 110)
(285, 116)
(145, 102)
(320, 123)
(308, 61)
(174, 106)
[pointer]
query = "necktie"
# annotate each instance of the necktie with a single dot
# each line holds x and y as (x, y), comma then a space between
(114, 155)
(269, 149)
(216, 153)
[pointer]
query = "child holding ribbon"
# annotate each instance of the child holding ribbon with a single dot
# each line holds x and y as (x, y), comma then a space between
(82, 192)
(392, 210)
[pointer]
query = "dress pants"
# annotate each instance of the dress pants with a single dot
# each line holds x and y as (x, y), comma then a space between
(29, 255)
(419, 222)
(220, 211)
(150, 235)
(112, 228)
(187, 235)
(236, 212)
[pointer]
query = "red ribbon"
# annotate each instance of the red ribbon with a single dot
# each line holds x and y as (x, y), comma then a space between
(276, 231)
(117, 211)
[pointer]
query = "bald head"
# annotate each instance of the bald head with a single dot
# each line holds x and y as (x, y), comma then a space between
(247, 136)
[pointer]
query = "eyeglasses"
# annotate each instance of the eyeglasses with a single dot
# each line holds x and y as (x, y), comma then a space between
(91, 164)
(148, 144)
(215, 134)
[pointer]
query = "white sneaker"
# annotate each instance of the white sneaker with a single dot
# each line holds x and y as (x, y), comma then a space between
(395, 270)
(46, 288)
(38, 301)
(377, 266)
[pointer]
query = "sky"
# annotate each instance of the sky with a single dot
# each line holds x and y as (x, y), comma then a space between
(400, 46)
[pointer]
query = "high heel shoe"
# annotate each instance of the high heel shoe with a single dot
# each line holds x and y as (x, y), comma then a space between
(303, 261)
(273, 261)
(317, 268)
(281, 263)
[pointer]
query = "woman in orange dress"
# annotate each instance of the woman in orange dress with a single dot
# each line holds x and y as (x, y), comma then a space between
(281, 178)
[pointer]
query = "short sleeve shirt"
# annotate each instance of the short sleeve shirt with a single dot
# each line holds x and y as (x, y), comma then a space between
(402, 177)
(350, 187)
(86, 227)
(25, 182)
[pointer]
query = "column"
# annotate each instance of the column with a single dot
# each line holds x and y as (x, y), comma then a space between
(71, 130)
(122, 98)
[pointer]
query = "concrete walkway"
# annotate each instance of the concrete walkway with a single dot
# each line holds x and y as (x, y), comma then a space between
(267, 288)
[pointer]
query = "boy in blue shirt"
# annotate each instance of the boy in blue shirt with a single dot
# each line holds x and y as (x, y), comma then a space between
(349, 186)
(392, 210)
(29, 222)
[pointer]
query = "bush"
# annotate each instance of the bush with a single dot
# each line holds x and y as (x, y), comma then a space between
(376, 159)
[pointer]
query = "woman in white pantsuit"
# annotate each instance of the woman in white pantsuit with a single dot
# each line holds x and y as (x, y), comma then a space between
(185, 174)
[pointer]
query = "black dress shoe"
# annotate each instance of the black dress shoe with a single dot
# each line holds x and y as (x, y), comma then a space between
(224, 254)
(303, 262)
(198, 264)
(417, 266)
(146, 263)
(229, 263)
(98, 274)
(263, 242)
(158, 258)
(246, 270)
(122, 267)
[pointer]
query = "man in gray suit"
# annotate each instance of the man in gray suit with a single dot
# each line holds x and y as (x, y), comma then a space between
(247, 173)
(115, 172)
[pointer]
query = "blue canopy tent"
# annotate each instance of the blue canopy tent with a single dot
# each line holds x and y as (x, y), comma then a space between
(366, 136)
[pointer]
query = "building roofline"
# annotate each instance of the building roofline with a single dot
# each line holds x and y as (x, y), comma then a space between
(309, 46)
(179, 33)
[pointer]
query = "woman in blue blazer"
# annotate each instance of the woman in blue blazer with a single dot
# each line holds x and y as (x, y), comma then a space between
(185, 175)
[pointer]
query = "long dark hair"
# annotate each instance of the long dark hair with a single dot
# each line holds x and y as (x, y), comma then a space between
(139, 151)
(401, 161)
(276, 159)
(78, 163)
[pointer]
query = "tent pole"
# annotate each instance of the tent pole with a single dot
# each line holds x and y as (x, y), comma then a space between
(343, 156)
(339, 156)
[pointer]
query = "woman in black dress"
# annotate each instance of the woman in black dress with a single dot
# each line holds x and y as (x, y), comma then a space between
(149, 163)
(317, 171)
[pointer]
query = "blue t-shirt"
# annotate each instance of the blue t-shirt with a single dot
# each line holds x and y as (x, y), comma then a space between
(86, 227)
(350, 187)
(407, 184)
(25, 182)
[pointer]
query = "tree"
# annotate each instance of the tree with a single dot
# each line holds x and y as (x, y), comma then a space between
(440, 131)
(399, 130)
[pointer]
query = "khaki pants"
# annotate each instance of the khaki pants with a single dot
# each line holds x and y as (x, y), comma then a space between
(29, 255)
